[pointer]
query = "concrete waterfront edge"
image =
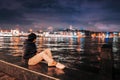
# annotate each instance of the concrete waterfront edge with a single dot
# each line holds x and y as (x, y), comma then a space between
(22, 73)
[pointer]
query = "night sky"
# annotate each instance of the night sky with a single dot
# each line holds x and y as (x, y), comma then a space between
(99, 15)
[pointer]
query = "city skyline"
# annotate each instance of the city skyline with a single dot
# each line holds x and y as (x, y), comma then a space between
(99, 15)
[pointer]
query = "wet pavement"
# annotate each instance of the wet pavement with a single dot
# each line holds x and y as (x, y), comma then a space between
(85, 58)
(4, 76)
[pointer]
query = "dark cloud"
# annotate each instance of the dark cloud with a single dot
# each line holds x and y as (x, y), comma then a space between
(61, 13)
(7, 14)
(38, 3)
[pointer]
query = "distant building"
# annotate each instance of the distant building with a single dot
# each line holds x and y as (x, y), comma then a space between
(15, 32)
(9, 33)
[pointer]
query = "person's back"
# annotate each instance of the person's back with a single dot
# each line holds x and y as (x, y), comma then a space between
(29, 47)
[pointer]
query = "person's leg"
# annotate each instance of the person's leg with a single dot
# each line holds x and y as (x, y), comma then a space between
(35, 59)
(40, 56)
(48, 52)
(47, 56)
(43, 55)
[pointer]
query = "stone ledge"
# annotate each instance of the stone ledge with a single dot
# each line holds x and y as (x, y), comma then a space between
(22, 73)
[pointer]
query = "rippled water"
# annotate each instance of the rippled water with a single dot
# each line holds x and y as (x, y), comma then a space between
(68, 50)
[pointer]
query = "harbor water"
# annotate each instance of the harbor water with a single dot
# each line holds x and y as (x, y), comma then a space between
(85, 53)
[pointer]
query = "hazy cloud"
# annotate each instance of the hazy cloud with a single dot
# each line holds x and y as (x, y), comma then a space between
(98, 14)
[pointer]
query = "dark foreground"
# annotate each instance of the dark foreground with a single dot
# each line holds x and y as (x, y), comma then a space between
(85, 58)
(4, 76)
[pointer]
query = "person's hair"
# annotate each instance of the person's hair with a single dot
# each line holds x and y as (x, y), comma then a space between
(32, 36)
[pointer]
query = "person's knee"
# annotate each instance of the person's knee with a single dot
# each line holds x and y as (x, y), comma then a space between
(47, 49)
(31, 63)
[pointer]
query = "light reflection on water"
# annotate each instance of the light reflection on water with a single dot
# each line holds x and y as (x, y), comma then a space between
(69, 50)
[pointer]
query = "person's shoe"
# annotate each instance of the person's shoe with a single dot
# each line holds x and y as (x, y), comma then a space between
(60, 66)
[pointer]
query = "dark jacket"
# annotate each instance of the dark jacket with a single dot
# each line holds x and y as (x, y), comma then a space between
(30, 49)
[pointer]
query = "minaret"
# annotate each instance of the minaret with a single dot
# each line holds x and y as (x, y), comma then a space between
(71, 27)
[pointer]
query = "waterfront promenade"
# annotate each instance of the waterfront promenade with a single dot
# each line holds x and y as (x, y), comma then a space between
(85, 58)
